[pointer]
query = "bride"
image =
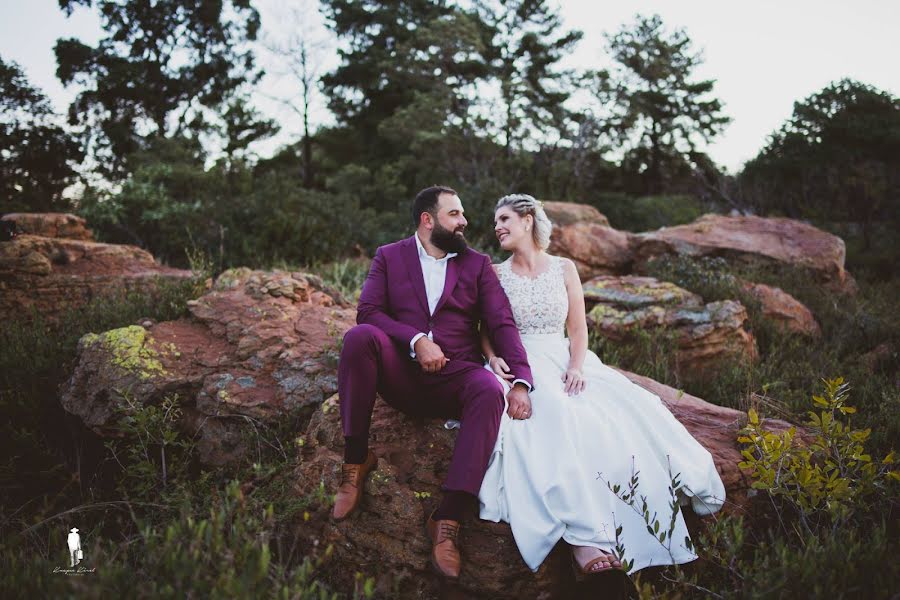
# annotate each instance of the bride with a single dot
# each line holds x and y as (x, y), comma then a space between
(590, 430)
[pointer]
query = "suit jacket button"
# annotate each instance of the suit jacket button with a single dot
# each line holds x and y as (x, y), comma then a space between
(430, 324)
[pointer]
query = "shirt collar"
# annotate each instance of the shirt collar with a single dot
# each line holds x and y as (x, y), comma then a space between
(424, 254)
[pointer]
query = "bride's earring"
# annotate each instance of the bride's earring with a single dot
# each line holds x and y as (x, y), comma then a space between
(528, 229)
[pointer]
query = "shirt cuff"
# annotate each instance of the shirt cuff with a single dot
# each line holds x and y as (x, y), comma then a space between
(412, 344)
(528, 385)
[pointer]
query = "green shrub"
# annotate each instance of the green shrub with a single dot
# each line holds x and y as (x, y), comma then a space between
(646, 213)
(826, 482)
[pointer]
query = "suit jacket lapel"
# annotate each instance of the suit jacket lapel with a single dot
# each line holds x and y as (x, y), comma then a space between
(414, 268)
(449, 282)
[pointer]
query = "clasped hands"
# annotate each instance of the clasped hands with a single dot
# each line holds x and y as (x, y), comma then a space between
(517, 397)
(431, 358)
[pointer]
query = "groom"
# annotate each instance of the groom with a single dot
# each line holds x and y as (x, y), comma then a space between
(417, 344)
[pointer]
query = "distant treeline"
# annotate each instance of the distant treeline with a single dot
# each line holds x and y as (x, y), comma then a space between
(427, 91)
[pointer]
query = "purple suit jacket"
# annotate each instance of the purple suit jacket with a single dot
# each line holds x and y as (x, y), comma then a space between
(393, 299)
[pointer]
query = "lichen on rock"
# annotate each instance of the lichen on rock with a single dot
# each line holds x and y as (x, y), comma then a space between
(129, 350)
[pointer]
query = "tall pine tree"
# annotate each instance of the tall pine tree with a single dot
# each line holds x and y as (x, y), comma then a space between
(525, 46)
(658, 115)
(158, 71)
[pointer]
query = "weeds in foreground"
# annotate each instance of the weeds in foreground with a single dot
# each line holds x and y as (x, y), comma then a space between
(828, 527)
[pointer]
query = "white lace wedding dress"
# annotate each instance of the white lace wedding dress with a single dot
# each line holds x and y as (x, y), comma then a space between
(548, 474)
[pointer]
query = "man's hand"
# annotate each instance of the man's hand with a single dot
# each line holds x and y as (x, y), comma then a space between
(429, 355)
(519, 402)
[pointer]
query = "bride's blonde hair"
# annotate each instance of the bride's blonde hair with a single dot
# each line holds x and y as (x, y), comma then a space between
(523, 204)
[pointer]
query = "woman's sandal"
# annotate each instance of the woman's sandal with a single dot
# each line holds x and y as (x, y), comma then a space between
(605, 557)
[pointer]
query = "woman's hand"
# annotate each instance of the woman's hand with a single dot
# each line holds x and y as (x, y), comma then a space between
(499, 366)
(573, 380)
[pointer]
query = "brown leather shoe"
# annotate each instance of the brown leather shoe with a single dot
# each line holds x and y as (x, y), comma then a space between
(444, 535)
(350, 490)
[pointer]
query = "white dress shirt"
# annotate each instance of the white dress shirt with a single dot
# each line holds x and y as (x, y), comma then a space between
(434, 271)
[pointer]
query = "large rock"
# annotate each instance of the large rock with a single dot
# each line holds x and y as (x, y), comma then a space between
(583, 234)
(53, 225)
(563, 214)
(707, 336)
(50, 275)
(751, 240)
(783, 309)
(259, 346)
(387, 539)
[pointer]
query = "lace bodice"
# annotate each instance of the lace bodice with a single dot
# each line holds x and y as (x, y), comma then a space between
(540, 304)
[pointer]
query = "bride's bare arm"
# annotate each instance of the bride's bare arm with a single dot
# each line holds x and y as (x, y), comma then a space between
(576, 326)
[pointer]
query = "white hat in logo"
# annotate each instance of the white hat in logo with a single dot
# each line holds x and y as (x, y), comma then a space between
(74, 529)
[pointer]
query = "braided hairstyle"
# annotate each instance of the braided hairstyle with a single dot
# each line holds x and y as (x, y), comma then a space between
(522, 205)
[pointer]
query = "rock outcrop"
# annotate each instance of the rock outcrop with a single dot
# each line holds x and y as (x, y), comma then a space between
(259, 346)
(387, 538)
(751, 240)
(583, 234)
(707, 336)
(52, 225)
(61, 268)
(783, 309)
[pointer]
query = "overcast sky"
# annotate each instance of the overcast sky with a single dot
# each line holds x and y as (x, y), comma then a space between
(764, 54)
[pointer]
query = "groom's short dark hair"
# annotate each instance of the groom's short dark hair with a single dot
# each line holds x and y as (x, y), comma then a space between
(426, 201)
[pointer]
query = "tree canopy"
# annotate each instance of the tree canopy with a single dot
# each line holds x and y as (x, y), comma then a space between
(158, 71)
(37, 156)
(837, 157)
(658, 114)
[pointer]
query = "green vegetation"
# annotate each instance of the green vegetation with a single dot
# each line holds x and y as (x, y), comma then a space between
(152, 514)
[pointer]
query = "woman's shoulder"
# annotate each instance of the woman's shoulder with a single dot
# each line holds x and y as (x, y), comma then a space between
(567, 264)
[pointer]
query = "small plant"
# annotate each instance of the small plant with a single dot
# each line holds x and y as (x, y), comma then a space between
(662, 531)
(829, 479)
(154, 450)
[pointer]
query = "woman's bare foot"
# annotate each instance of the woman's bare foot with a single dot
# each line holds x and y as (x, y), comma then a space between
(585, 555)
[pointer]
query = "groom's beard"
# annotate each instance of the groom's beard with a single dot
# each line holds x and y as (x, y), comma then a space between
(448, 241)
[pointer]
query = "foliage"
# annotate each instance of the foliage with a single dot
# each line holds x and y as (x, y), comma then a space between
(37, 155)
(174, 205)
(525, 46)
(153, 451)
(224, 551)
(646, 213)
(828, 480)
(837, 158)
(852, 326)
(658, 113)
(161, 68)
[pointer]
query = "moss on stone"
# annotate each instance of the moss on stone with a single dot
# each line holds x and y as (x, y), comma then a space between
(129, 351)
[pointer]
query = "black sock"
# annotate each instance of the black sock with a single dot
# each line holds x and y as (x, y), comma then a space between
(356, 448)
(455, 505)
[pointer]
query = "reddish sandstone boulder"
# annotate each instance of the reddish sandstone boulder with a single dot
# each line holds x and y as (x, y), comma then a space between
(259, 346)
(53, 274)
(751, 240)
(563, 214)
(582, 233)
(52, 225)
(707, 336)
(783, 309)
